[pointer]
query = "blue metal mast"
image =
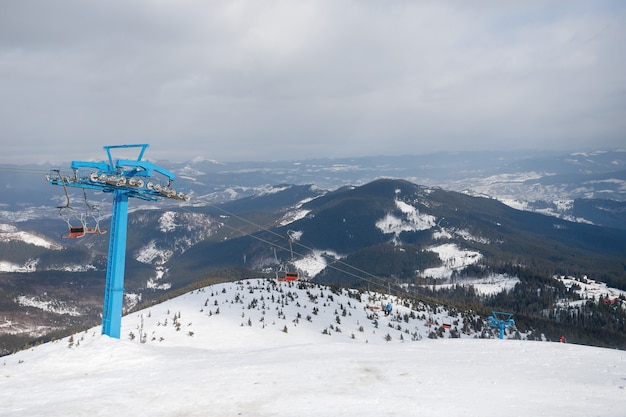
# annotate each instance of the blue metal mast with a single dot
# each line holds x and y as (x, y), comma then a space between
(114, 288)
(501, 321)
(124, 178)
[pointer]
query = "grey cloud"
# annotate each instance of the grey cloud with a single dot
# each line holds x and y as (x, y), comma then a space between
(236, 80)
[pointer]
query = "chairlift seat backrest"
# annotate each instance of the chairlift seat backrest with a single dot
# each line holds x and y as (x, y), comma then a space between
(75, 232)
(291, 276)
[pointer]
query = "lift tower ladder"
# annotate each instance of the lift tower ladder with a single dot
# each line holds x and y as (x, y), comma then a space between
(124, 178)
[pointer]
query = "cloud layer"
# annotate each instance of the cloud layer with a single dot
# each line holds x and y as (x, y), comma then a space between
(257, 80)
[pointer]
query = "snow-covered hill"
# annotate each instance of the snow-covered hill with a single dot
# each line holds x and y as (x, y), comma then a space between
(262, 348)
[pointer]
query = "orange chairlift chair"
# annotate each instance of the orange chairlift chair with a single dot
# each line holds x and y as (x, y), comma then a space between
(68, 213)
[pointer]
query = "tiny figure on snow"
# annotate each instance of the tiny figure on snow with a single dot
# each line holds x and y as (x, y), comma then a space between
(388, 309)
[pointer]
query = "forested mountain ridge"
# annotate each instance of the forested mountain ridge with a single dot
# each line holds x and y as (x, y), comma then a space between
(390, 234)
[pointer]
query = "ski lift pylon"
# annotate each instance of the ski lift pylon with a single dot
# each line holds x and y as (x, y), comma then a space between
(125, 178)
(501, 321)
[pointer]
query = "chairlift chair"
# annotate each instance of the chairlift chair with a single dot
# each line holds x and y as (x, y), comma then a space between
(93, 212)
(290, 276)
(287, 271)
(67, 213)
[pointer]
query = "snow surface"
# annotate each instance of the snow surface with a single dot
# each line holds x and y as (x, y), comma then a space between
(293, 215)
(297, 212)
(10, 233)
(29, 266)
(149, 253)
(315, 262)
(465, 234)
(413, 220)
(589, 289)
(53, 306)
(208, 353)
(167, 222)
(453, 258)
(270, 189)
(489, 285)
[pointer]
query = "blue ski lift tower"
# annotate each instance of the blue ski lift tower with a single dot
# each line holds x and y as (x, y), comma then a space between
(124, 178)
(501, 321)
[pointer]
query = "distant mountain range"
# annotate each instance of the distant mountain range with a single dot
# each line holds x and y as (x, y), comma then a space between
(549, 182)
(389, 233)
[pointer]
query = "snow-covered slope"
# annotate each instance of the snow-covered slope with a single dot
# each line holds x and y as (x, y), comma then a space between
(9, 232)
(241, 349)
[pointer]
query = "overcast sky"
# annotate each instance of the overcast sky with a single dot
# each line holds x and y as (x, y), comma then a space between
(242, 80)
